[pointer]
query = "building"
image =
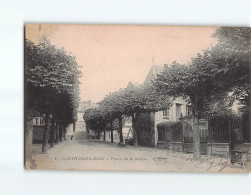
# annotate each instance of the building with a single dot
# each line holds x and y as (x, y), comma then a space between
(179, 107)
(148, 133)
(38, 129)
(217, 136)
(80, 126)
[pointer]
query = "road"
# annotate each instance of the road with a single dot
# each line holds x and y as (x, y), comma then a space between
(95, 155)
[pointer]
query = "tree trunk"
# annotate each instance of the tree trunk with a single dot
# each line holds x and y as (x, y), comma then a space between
(87, 130)
(64, 132)
(111, 132)
(98, 135)
(152, 129)
(120, 130)
(104, 136)
(135, 137)
(74, 126)
(196, 136)
(52, 132)
(28, 139)
(60, 132)
(57, 133)
(46, 133)
(196, 131)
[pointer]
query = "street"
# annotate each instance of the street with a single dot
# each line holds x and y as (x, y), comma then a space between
(99, 156)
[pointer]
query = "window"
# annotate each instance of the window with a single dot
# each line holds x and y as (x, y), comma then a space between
(166, 114)
(161, 135)
(178, 110)
(189, 111)
(39, 121)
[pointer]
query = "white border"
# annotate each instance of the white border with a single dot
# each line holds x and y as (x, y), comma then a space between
(13, 14)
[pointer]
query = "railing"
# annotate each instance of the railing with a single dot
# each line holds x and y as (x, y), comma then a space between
(221, 131)
(188, 131)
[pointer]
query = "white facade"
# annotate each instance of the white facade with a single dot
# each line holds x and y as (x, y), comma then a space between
(178, 107)
(80, 123)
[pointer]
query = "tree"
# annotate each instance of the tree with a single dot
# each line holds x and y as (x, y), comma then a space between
(140, 99)
(131, 101)
(182, 80)
(51, 74)
(126, 102)
(234, 49)
(236, 44)
(217, 70)
(195, 81)
(95, 119)
(113, 105)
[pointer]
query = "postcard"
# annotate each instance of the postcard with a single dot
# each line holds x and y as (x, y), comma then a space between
(137, 98)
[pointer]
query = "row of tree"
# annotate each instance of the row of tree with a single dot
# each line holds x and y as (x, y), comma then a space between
(131, 101)
(51, 90)
(219, 74)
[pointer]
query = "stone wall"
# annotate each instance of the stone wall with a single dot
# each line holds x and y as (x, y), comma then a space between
(218, 149)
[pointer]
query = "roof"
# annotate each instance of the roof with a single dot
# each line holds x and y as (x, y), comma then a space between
(153, 72)
(83, 106)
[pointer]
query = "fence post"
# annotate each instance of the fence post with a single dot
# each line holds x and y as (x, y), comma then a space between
(230, 136)
(183, 133)
(211, 129)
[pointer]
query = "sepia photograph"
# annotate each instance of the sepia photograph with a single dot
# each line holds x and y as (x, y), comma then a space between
(144, 98)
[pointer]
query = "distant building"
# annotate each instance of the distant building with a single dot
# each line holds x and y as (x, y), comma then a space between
(80, 123)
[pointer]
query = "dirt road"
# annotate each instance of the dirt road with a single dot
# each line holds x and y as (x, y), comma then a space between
(99, 156)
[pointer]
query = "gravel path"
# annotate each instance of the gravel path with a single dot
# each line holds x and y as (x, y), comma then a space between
(99, 156)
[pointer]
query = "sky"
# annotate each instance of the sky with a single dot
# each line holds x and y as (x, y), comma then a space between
(111, 56)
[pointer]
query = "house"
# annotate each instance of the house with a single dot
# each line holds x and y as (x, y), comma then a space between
(38, 129)
(148, 133)
(179, 107)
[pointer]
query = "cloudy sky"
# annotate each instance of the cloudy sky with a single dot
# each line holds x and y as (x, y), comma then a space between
(113, 55)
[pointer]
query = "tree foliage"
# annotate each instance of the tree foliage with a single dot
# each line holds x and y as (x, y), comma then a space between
(234, 50)
(214, 73)
(134, 99)
(52, 78)
(51, 83)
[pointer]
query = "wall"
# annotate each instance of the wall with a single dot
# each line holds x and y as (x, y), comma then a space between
(37, 135)
(38, 132)
(172, 111)
(172, 117)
